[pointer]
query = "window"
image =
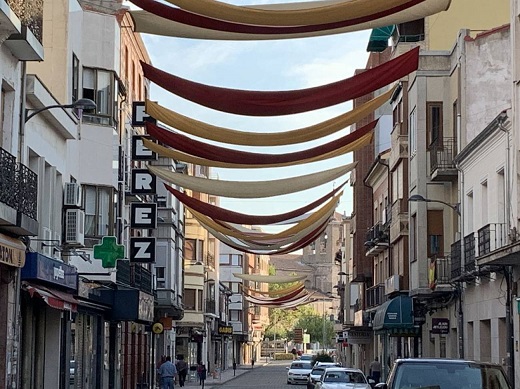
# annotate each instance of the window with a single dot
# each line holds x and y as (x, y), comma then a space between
(435, 233)
(413, 132)
(235, 287)
(193, 250)
(235, 315)
(199, 300)
(75, 78)
(100, 86)
(434, 123)
(159, 274)
(189, 299)
(99, 205)
(236, 259)
(413, 238)
(223, 259)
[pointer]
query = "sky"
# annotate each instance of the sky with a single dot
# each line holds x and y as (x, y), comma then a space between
(264, 65)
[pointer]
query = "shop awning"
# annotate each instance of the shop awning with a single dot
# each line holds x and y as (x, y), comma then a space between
(52, 297)
(396, 313)
(378, 40)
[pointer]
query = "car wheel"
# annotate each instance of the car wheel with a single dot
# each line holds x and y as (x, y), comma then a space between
(288, 383)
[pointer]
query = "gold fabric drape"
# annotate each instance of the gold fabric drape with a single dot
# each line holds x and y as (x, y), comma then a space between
(226, 135)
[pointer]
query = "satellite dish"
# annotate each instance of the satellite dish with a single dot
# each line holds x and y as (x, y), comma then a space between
(157, 328)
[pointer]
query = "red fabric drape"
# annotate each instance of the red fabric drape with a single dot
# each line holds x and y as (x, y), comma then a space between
(222, 154)
(222, 214)
(181, 16)
(273, 103)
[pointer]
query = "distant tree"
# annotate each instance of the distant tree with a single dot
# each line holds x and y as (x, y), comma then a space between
(314, 325)
(322, 357)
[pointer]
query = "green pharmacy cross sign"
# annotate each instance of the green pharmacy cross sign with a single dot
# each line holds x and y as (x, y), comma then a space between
(109, 251)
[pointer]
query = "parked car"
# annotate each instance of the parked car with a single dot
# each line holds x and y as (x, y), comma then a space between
(342, 378)
(317, 371)
(305, 357)
(445, 374)
(298, 372)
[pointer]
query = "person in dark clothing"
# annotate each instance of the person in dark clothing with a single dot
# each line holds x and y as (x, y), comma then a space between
(182, 369)
(201, 371)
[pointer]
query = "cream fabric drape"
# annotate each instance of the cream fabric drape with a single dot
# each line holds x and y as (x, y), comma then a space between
(251, 189)
(226, 135)
(149, 23)
(296, 16)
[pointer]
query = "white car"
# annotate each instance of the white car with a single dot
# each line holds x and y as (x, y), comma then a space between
(298, 372)
(317, 371)
(342, 378)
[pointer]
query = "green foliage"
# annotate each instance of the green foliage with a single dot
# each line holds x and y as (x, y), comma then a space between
(283, 356)
(314, 325)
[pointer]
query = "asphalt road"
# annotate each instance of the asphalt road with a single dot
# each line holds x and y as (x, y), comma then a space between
(272, 376)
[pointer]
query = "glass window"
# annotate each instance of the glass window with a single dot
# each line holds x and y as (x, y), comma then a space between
(189, 299)
(190, 250)
(224, 259)
(75, 78)
(433, 122)
(199, 300)
(159, 274)
(98, 204)
(236, 260)
(412, 125)
(235, 315)
(100, 86)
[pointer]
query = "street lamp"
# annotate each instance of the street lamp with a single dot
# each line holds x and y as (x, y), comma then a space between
(420, 199)
(78, 104)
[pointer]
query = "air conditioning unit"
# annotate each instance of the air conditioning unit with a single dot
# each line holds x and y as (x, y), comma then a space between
(72, 194)
(75, 227)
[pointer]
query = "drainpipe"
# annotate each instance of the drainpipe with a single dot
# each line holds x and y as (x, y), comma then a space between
(508, 270)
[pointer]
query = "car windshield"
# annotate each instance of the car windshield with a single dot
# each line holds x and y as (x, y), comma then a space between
(318, 371)
(440, 375)
(306, 357)
(344, 376)
(301, 365)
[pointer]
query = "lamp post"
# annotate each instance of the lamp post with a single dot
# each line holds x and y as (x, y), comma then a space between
(78, 104)
(456, 208)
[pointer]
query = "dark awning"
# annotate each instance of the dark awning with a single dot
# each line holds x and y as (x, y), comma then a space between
(378, 40)
(53, 298)
(396, 313)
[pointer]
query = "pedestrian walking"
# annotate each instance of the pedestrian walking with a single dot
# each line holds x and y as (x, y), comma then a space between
(252, 363)
(375, 370)
(167, 373)
(201, 372)
(182, 369)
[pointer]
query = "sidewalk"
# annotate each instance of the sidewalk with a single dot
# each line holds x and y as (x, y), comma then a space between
(222, 378)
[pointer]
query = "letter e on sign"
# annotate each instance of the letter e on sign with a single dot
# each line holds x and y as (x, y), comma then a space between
(139, 151)
(143, 215)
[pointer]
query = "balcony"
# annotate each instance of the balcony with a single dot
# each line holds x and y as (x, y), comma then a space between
(134, 276)
(456, 261)
(491, 237)
(399, 220)
(18, 196)
(439, 279)
(375, 295)
(442, 153)
(26, 44)
(469, 252)
(210, 260)
(377, 240)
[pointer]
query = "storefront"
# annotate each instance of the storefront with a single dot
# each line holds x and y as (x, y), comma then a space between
(48, 308)
(12, 258)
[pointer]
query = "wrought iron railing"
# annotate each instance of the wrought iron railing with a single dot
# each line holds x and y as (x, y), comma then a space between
(134, 276)
(375, 295)
(18, 185)
(442, 154)
(491, 237)
(456, 260)
(443, 269)
(376, 234)
(469, 252)
(30, 13)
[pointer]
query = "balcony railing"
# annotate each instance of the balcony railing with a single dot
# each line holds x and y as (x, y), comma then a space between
(442, 270)
(456, 260)
(469, 252)
(30, 13)
(18, 185)
(376, 295)
(442, 154)
(491, 237)
(377, 239)
(134, 276)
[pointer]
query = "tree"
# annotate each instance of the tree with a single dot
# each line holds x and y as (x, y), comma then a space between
(314, 325)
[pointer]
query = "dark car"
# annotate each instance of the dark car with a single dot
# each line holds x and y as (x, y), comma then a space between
(445, 374)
